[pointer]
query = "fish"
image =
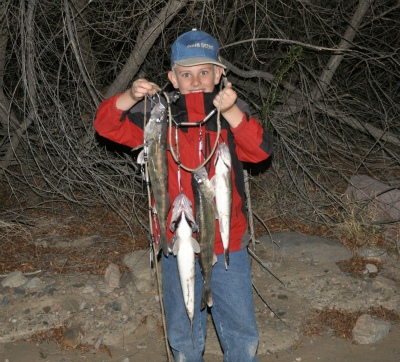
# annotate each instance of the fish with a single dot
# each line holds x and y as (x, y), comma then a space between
(155, 147)
(222, 184)
(205, 212)
(184, 246)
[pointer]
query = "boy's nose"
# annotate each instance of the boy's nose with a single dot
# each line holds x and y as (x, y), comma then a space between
(195, 81)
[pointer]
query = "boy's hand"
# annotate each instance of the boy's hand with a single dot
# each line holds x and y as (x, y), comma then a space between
(229, 109)
(228, 99)
(140, 88)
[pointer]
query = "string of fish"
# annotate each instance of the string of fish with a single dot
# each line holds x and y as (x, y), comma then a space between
(151, 232)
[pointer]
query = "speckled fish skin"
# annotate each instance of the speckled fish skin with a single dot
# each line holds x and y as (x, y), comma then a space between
(155, 137)
(222, 182)
(205, 217)
(184, 246)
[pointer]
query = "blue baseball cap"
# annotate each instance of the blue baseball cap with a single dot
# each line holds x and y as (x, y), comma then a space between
(195, 47)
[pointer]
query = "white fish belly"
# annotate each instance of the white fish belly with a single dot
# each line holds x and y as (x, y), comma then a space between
(186, 266)
(224, 204)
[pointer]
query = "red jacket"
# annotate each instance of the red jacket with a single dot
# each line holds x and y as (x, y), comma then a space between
(248, 142)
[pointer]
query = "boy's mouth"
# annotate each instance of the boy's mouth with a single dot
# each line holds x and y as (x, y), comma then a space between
(197, 91)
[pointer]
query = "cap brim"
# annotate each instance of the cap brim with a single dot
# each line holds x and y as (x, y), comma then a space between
(197, 61)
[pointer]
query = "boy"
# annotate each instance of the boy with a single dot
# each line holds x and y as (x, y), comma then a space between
(196, 70)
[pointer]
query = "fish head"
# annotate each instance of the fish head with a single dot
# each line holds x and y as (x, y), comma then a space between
(182, 208)
(200, 176)
(202, 181)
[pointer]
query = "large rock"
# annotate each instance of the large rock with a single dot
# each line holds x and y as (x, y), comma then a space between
(363, 187)
(138, 262)
(383, 201)
(370, 329)
(112, 275)
(14, 280)
(301, 246)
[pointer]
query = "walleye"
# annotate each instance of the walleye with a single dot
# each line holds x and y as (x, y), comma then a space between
(205, 217)
(222, 183)
(155, 143)
(184, 246)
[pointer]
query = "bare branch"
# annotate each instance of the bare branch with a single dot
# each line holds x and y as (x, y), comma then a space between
(143, 46)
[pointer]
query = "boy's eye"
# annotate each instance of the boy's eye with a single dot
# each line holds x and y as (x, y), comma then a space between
(185, 75)
(204, 72)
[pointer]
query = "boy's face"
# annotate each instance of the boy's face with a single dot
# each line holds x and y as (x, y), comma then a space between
(196, 78)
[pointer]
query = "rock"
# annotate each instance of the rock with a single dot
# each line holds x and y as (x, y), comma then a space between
(383, 201)
(78, 285)
(116, 305)
(151, 322)
(371, 268)
(34, 283)
(19, 291)
(50, 291)
(138, 262)
(130, 260)
(14, 279)
(46, 309)
(370, 329)
(299, 246)
(88, 289)
(70, 305)
(141, 345)
(82, 242)
(143, 285)
(373, 254)
(387, 203)
(112, 275)
(126, 278)
(72, 337)
(4, 301)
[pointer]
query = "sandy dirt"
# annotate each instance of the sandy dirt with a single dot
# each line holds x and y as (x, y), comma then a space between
(133, 332)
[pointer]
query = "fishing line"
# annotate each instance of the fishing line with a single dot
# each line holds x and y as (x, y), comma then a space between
(174, 156)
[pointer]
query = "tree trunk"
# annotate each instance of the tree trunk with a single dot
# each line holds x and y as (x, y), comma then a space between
(334, 62)
(143, 46)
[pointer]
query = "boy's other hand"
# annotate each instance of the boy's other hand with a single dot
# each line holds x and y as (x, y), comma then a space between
(141, 87)
(229, 97)
(229, 109)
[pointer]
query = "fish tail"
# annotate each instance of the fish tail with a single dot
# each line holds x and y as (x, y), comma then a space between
(226, 255)
(206, 296)
(163, 243)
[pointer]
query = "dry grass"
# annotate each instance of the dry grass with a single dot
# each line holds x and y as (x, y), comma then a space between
(342, 323)
(355, 227)
(9, 230)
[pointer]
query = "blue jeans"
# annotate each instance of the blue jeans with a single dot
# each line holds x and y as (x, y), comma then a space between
(232, 310)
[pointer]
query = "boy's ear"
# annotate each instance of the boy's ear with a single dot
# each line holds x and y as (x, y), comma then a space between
(171, 77)
(218, 75)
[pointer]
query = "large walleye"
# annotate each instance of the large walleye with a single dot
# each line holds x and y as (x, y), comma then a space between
(155, 143)
(184, 246)
(222, 183)
(205, 217)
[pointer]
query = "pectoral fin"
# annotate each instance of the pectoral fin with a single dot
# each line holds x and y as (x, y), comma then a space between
(174, 245)
(214, 259)
(213, 184)
(195, 245)
(140, 158)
